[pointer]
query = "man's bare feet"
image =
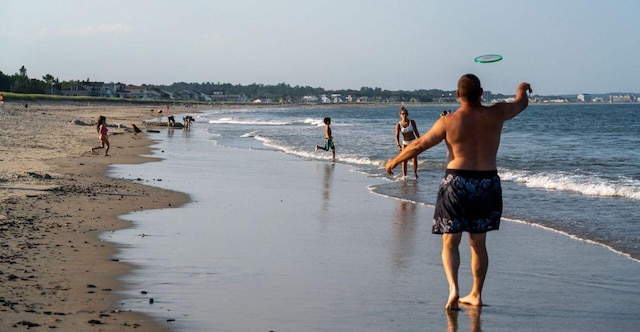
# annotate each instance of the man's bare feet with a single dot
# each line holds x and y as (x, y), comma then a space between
(471, 299)
(452, 303)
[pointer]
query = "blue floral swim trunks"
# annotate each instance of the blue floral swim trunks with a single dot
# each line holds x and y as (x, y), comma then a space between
(468, 201)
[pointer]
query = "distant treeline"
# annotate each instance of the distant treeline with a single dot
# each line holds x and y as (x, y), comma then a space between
(20, 82)
(286, 91)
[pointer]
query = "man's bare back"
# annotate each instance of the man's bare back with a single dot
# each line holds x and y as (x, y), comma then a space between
(472, 133)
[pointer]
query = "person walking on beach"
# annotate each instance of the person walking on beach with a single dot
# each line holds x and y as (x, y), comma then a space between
(328, 139)
(102, 135)
(470, 194)
(409, 131)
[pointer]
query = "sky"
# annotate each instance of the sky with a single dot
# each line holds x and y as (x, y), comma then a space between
(560, 47)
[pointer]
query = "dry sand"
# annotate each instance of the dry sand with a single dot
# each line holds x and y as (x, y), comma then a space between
(54, 202)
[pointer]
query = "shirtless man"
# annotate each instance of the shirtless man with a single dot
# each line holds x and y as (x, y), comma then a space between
(470, 195)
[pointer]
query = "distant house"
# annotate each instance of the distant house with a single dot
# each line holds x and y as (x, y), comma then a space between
(114, 90)
(141, 92)
(85, 89)
(75, 90)
(324, 99)
(218, 95)
(487, 95)
(136, 91)
(164, 94)
(186, 95)
(96, 89)
(623, 98)
(584, 97)
(310, 99)
(152, 95)
(202, 97)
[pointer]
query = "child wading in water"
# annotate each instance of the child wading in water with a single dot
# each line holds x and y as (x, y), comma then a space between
(328, 139)
(101, 127)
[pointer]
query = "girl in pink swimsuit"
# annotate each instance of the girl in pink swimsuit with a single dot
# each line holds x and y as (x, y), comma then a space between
(102, 129)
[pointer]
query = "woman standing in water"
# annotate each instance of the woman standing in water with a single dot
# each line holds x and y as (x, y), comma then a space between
(409, 132)
(101, 127)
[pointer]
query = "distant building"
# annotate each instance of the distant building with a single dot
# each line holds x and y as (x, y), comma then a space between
(218, 95)
(625, 98)
(141, 92)
(310, 99)
(325, 100)
(585, 97)
(487, 96)
(87, 89)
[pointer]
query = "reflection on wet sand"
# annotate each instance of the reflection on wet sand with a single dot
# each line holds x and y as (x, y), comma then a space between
(404, 229)
(475, 324)
(327, 180)
(326, 184)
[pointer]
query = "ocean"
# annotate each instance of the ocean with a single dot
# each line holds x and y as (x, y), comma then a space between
(570, 169)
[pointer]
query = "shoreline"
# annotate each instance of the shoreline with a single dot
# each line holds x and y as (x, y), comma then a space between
(55, 201)
(305, 249)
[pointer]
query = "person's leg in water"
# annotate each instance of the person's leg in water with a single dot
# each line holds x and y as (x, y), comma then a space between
(414, 161)
(479, 266)
(404, 168)
(328, 146)
(404, 163)
(451, 263)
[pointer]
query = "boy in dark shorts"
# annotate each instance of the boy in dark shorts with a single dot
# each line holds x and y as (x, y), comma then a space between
(328, 139)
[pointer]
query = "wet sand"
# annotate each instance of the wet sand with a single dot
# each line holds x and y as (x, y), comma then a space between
(276, 242)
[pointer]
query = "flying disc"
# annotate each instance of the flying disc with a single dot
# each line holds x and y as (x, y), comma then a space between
(488, 58)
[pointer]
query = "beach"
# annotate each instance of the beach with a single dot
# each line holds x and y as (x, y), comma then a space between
(54, 201)
(182, 234)
(276, 242)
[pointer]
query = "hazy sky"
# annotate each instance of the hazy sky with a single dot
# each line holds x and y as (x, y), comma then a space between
(559, 46)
